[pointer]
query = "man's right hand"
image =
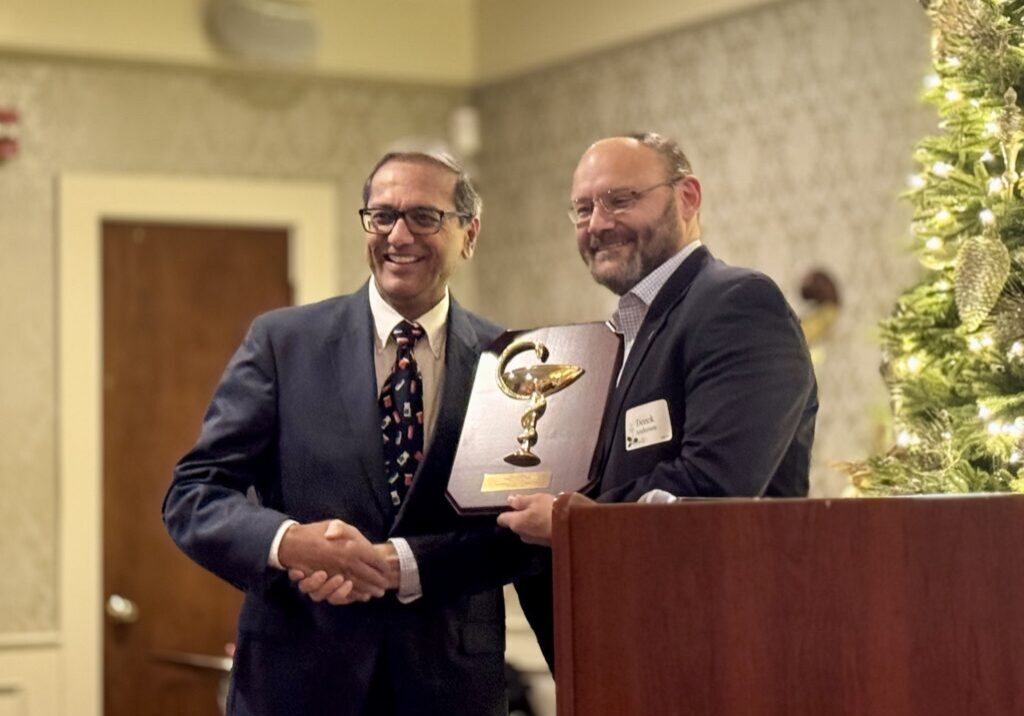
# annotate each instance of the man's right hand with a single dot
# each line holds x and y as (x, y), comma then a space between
(346, 558)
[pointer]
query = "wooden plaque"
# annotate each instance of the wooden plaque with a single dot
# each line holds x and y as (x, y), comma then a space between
(567, 429)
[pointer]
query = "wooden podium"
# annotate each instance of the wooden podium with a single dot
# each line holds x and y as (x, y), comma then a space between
(867, 607)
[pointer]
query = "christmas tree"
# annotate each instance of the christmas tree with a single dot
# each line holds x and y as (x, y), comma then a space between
(953, 350)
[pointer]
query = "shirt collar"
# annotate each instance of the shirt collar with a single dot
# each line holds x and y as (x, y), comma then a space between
(385, 318)
(651, 284)
(648, 288)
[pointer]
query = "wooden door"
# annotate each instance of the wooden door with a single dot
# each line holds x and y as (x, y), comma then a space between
(177, 301)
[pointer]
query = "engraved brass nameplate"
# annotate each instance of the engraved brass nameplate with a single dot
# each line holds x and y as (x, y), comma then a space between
(502, 481)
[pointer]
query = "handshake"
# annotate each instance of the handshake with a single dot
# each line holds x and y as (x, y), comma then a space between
(332, 561)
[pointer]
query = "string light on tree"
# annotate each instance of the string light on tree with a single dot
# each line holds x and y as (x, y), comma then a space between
(907, 439)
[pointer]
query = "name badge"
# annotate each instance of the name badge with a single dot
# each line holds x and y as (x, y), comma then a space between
(648, 424)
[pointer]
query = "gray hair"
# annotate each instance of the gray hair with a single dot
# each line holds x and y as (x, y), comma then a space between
(675, 160)
(465, 197)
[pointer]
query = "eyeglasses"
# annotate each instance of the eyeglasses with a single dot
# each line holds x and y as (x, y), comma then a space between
(614, 201)
(420, 220)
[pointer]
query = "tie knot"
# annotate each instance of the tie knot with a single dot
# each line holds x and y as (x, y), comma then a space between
(406, 334)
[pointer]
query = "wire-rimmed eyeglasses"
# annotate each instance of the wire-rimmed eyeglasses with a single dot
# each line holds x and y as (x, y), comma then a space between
(613, 201)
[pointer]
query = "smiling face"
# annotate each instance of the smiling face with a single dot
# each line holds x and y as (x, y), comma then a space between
(621, 249)
(412, 270)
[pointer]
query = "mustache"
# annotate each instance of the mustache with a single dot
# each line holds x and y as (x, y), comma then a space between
(597, 241)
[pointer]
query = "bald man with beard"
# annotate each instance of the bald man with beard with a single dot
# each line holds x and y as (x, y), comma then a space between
(714, 358)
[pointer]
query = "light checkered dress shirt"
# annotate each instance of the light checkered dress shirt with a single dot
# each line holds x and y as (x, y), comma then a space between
(634, 304)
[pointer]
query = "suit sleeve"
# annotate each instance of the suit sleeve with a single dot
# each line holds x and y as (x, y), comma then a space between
(472, 560)
(748, 378)
(211, 509)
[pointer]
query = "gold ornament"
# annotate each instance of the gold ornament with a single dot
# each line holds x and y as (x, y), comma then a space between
(982, 267)
(1011, 124)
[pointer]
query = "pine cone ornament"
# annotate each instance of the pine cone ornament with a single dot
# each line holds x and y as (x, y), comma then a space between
(982, 267)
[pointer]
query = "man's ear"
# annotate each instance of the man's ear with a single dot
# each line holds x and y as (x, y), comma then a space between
(469, 242)
(688, 191)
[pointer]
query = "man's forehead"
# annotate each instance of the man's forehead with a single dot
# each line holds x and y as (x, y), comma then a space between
(413, 179)
(615, 164)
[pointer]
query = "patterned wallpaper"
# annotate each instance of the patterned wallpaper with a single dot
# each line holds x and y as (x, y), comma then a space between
(118, 118)
(799, 119)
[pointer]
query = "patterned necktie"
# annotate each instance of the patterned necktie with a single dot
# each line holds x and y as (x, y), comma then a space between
(401, 410)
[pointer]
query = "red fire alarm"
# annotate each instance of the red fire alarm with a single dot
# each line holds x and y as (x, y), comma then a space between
(8, 133)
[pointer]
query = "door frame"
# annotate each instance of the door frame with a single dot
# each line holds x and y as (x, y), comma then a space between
(306, 209)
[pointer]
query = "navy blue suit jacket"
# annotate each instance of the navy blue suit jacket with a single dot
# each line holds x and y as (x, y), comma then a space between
(723, 349)
(293, 431)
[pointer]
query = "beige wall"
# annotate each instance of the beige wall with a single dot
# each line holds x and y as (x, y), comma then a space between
(524, 35)
(28, 681)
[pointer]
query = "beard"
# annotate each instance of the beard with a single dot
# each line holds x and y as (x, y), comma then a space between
(653, 245)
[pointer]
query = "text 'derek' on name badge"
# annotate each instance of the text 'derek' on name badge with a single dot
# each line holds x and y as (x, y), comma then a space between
(648, 424)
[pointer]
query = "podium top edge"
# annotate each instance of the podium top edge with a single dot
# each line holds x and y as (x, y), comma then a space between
(826, 501)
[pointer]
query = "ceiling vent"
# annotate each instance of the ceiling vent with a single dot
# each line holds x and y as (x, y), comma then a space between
(278, 32)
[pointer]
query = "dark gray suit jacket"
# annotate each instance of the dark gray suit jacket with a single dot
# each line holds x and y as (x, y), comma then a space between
(293, 431)
(722, 348)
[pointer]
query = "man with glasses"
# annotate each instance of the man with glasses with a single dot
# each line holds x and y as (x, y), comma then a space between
(325, 454)
(715, 368)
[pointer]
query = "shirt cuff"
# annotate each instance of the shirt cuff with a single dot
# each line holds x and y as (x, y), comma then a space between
(657, 497)
(409, 589)
(272, 559)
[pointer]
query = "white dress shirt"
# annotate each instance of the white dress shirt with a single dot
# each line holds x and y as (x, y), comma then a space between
(429, 353)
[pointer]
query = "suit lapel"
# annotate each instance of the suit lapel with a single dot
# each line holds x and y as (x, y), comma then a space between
(670, 295)
(461, 353)
(352, 354)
